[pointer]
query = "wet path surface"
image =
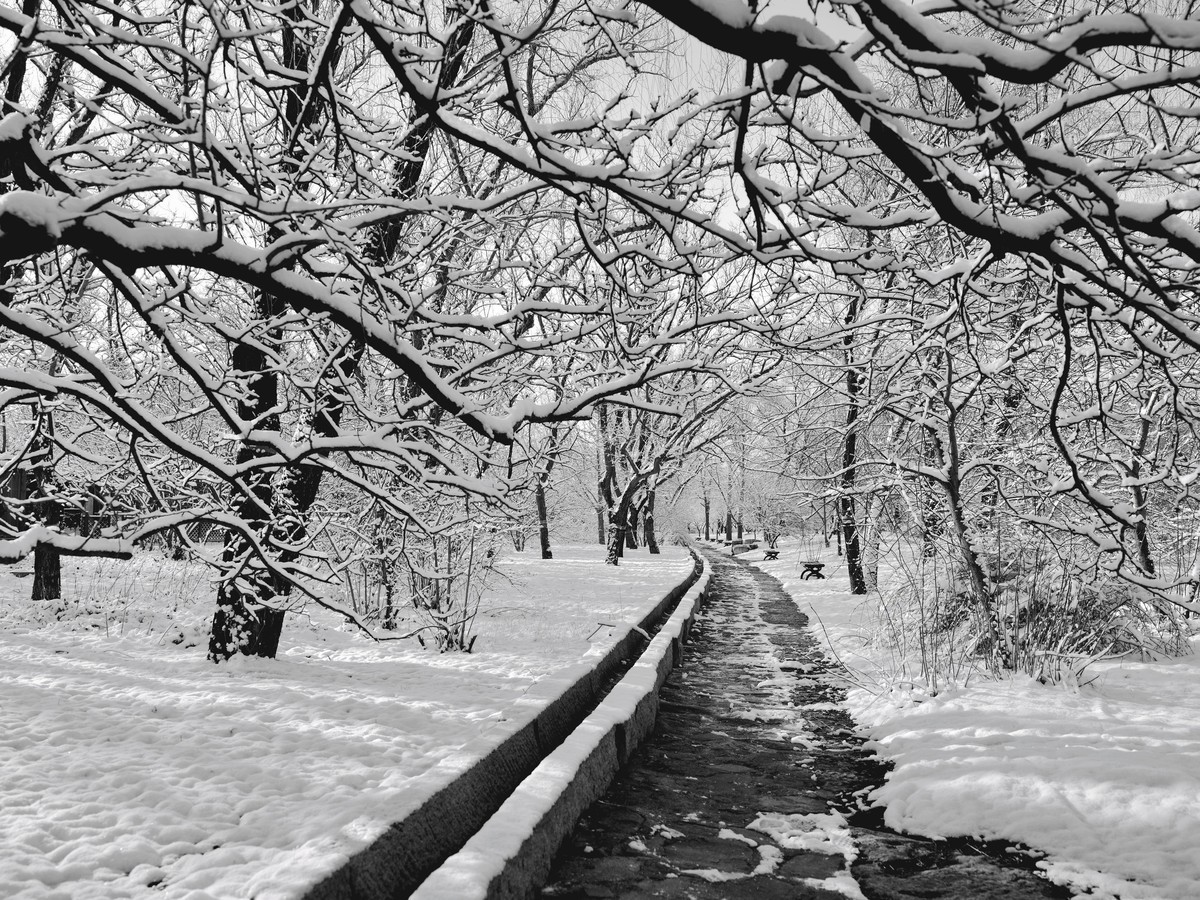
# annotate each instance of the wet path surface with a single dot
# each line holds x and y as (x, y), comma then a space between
(750, 785)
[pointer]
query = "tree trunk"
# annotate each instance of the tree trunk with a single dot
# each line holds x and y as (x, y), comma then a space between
(932, 519)
(871, 549)
(648, 523)
(47, 564)
(47, 573)
(246, 622)
(981, 584)
(846, 505)
(631, 528)
(539, 494)
(729, 526)
(244, 626)
(707, 509)
(846, 508)
(618, 522)
(539, 489)
(616, 540)
(1141, 528)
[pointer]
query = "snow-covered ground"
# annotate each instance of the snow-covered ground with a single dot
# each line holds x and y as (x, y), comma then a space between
(130, 766)
(1104, 778)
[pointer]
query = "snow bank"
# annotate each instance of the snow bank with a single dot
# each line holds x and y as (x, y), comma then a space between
(134, 768)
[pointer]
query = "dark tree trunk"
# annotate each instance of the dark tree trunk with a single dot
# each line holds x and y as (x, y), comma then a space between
(846, 505)
(539, 494)
(616, 540)
(615, 510)
(933, 519)
(244, 626)
(246, 621)
(47, 573)
(618, 523)
(648, 524)
(47, 562)
(631, 528)
(1141, 528)
(729, 527)
(707, 508)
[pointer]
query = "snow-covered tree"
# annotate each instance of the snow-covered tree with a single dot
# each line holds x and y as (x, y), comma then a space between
(353, 243)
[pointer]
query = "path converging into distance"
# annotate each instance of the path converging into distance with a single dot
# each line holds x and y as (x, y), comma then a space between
(753, 783)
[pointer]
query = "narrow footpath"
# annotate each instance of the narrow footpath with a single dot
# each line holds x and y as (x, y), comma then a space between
(752, 783)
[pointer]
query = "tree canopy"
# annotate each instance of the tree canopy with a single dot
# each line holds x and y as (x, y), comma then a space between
(263, 265)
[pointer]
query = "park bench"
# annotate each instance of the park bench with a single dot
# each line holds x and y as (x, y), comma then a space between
(812, 570)
(772, 554)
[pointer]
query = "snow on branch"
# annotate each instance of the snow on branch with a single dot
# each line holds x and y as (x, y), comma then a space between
(67, 544)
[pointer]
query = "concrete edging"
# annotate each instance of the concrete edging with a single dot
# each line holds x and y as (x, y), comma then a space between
(511, 855)
(485, 775)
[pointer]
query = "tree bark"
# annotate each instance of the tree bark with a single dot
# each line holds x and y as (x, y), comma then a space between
(246, 621)
(539, 494)
(616, 536)
(47, 573)
(618, 520)
(846, 505)
(47, 564)
(870, 554)
(1141, 528)
(648, 524)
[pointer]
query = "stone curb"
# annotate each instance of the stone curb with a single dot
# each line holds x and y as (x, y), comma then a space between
(511, 855)
(484, 774)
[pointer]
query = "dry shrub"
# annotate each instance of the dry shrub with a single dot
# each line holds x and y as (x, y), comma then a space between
(1056, 611)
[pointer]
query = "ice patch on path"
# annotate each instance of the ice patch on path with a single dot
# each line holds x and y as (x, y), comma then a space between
(825, 833)
(728, 834)
(771, 858)
(817, 832)
(714, 876)
(841, 883)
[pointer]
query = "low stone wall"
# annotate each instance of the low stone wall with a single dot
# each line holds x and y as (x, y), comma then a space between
(484, 776)
(511, 855)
